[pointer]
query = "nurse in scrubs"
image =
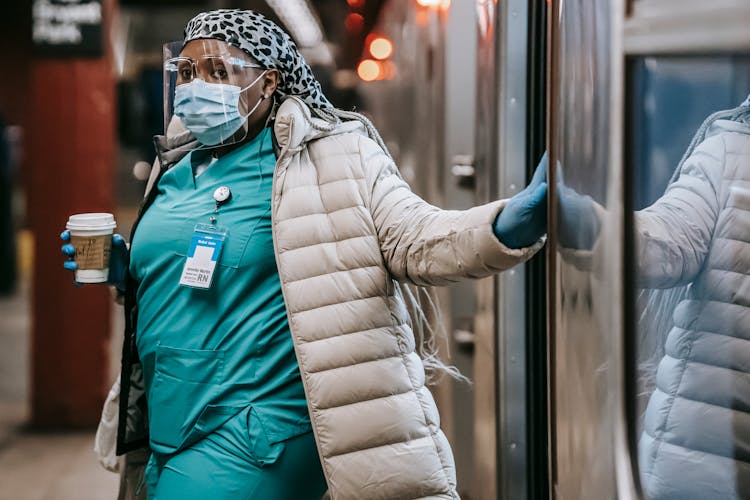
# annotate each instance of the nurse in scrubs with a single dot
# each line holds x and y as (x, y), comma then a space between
(228, 417)
(202, 256)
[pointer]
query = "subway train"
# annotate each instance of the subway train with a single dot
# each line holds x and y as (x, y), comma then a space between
(586, 384)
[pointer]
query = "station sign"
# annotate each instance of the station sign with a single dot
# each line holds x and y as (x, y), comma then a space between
(67, 28)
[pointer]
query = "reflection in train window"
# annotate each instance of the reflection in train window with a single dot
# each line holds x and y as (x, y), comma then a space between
(671, 98)
(691, 229)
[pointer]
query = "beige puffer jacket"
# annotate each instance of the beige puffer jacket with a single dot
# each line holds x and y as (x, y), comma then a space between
(345, 226)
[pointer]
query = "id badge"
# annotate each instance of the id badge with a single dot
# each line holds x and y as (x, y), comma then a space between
(203, 255)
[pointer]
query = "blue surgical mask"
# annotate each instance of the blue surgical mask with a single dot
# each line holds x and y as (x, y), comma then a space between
(211, 111)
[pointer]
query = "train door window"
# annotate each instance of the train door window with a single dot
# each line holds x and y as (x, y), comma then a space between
(687, 157)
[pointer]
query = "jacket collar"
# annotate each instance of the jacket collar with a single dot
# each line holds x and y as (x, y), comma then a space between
(295, 125)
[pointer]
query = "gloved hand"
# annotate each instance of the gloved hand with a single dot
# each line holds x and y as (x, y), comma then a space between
(524, 219)
(579, 224)
(118, 259)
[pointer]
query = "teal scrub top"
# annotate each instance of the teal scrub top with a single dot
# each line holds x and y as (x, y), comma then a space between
(208, 354)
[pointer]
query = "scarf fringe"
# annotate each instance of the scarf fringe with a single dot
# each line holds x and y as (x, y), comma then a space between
(430, 334)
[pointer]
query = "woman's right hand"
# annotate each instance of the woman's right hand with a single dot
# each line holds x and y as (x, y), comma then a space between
(118, 259)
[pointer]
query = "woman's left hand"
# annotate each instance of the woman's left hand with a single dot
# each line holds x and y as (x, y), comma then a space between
(524, 219)
(118, 259)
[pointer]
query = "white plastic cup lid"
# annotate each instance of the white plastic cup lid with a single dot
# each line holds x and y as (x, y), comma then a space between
(93, 221)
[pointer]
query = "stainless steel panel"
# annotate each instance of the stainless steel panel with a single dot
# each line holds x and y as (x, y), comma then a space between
(486, 171)
(500, 353)
(513, 26)
(586, 270)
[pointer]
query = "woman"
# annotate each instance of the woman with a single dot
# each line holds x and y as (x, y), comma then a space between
(267, 329)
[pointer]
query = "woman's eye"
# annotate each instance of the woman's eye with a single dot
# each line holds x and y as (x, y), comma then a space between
(186, 74)
(219, 74)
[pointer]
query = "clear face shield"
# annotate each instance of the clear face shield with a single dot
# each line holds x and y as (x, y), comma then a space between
(211, 89)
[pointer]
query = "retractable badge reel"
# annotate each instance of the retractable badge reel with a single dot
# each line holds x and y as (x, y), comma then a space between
(205, 247)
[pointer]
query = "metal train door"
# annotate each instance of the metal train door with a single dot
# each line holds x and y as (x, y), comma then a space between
(510, 347)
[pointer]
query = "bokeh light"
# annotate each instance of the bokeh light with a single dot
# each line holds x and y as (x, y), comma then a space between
(356, 4)
(354, 22)
(369, 70)
(381, 48)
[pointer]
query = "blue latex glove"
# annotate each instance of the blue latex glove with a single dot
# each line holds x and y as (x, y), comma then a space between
(524, 219)
(118, 259)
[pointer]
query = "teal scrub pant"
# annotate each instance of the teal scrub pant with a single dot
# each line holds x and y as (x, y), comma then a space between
(236, 462)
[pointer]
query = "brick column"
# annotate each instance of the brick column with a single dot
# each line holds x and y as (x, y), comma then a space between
(70, 151)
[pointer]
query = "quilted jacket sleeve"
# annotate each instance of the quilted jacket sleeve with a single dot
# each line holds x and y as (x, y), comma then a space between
(424, 244)
(674, 234)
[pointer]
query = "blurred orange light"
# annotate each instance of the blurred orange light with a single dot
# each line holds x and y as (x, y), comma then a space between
(354, 22)
(381, 48)
(356, 4)
(430, 3)
(369, 70)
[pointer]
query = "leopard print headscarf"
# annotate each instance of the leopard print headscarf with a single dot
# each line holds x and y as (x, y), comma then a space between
(270, 46)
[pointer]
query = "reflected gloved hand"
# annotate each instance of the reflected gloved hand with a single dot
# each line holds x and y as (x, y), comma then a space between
(524, 219)
(579, 223)
(118, 259)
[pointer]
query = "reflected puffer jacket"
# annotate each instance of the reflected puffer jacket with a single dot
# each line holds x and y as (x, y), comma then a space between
(345, 226)
(696, 439)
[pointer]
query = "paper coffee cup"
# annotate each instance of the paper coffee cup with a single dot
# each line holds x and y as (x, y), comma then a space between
(91, 236)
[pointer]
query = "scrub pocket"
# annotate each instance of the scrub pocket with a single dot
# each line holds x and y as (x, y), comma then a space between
(262, 452)
(185, 382)
(237, 251)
